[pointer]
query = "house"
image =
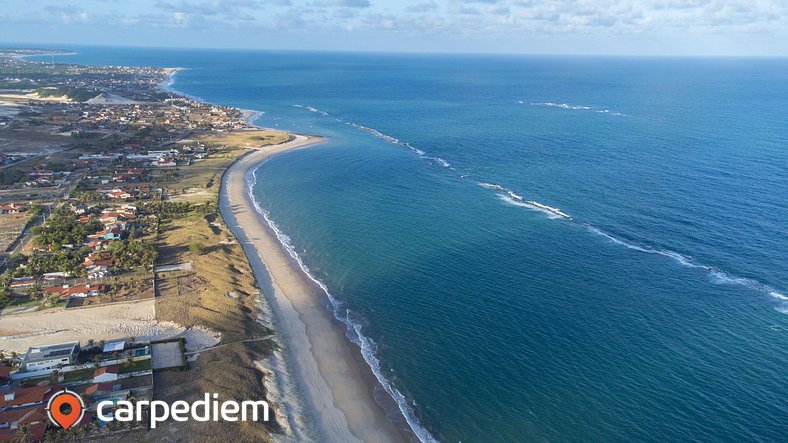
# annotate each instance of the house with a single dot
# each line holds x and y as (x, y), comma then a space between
(165, 162)
(81, 209)
(97, 244)
(25, 397)
(105, 374)
(35, 419)
(56, 275)
(84, 290)
(22, 282)
(101, 258)
(106, 391)
(108, 235)
(119, 195)
(10, 208)
(49, 357)
(98, 272)
(109, 218)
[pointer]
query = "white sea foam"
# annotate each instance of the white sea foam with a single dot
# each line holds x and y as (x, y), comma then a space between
(513, 198)
(418, 151)
(715, 274)
(312, 109)
(572, 107)
(562, 106)
(368, 348)
(396, 141)
(375, 132)
(385, 137)
(437, 160)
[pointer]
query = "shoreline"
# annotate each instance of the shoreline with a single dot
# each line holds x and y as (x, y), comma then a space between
(338, 389)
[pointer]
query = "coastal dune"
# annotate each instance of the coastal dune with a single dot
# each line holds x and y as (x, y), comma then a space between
(335, 385)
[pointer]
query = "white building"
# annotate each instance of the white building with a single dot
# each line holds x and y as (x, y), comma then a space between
(43, 358)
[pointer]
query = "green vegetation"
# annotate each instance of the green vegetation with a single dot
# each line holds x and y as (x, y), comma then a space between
(10, 176)
(197, 248)
(60, 261)
(131, 254)
(63, 229)
(136, 366)
(165, 208)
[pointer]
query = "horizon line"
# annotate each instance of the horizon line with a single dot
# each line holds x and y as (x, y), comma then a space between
(65, 46)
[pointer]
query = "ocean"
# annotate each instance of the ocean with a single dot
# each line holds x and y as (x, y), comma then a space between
(535, 248)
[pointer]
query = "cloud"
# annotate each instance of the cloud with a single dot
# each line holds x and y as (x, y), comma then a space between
(418, 20)
(352, 3)
(223, 7)
(422, 7)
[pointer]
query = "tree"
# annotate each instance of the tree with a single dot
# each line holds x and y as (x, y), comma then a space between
(34, 293)
(63, 228)
(16, 258)
(24, 434)
(132, 254)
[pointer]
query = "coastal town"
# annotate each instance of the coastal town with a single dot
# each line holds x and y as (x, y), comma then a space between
(118, 275)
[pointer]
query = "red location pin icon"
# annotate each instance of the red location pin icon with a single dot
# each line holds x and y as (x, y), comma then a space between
(65, 408)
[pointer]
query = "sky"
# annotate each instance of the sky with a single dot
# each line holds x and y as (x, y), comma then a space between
(590, 27)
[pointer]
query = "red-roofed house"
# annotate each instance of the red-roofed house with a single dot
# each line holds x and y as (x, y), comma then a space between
(23, 397)
(83, 290)
(105, 374)
(34, 418)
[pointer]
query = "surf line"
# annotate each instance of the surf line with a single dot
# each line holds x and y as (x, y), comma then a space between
(386, 138)
(717, 275)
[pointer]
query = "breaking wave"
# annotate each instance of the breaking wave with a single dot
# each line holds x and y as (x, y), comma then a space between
(574, 107)
(511, 197)
(387, 138)
(352, 322)
(715, 274)
(375, 132)
(312, 109)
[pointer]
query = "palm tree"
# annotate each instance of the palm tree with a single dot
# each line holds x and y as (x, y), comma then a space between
(54, 377)
(24, 434)
(51, 436)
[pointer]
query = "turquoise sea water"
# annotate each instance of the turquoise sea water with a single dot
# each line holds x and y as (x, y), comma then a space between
(537, 249)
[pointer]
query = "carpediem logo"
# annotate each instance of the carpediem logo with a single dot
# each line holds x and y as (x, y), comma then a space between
(208, 409)
(66, 408)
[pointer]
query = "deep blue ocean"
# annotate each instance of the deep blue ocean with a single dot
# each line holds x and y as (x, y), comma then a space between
(537, 248)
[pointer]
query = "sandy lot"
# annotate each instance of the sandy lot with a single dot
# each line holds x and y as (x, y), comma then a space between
(120, 320)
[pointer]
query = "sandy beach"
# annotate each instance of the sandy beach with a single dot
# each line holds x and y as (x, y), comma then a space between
(336, 387)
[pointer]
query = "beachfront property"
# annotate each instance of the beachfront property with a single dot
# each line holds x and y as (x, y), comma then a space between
(50, 357)
(115, 370)
(66, 292)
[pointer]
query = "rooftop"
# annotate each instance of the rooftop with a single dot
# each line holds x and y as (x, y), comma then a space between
(50, 351)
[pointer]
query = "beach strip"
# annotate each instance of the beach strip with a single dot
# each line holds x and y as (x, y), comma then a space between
(335, 385)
